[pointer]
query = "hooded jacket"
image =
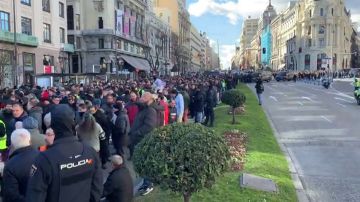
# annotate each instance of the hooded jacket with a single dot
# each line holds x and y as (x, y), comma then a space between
(69, 170)
(36, 112)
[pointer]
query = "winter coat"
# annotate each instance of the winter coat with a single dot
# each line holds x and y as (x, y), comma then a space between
(17, 173)
(91, 137)
(186, 98)
(108, 110)
(145, 122)
(121, 127)
(199, 101)
(259, 87)
(132, 110)
(210, 98)
(101, 119)
(7, 118)
(119, 186)
(165, 105)
(36, 112)
(68, 170)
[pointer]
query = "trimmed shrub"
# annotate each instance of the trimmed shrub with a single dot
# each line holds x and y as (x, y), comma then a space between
(184, 158)
(235, 98)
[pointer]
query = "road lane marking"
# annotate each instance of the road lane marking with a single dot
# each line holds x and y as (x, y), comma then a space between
(326, 119)
(341, 105)
(337, 98)
(300, 103)
(274, 98)
(307, 98)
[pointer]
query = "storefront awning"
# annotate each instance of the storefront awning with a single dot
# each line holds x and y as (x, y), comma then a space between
(137, 63)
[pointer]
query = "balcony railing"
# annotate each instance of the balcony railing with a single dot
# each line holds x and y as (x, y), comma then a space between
(22, 39)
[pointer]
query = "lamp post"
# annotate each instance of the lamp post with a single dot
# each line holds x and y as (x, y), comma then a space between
(15, 45)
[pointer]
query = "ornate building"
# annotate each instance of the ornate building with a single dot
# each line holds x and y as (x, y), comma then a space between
(312, 35)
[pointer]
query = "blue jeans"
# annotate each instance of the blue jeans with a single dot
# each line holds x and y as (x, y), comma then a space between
(259, 98)
(198, 117)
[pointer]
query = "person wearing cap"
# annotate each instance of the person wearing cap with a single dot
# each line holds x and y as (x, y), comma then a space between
(68, 170)
(118, 186)
(17, 168)
(31, 125)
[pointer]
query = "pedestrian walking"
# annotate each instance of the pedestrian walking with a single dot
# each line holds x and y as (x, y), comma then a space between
(259, 86)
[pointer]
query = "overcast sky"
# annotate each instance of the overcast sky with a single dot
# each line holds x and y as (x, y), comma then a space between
(222, 19)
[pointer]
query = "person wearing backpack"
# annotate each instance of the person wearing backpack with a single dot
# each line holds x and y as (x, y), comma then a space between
(259, 86)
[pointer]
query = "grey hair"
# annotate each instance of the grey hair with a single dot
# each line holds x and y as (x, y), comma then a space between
(47, 120)
(20, 138)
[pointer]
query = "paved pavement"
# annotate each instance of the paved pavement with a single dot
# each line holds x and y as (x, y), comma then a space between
(319, 131)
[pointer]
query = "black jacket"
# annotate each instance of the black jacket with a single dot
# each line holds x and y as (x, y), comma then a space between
(259, 87)
(101, 119)
(68, 170)
(119, 186)
(122, 126)
(145, 122)
(210, 97)
(17, 173)
(198, 101)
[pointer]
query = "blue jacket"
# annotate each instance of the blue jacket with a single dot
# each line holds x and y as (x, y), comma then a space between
(179, 104)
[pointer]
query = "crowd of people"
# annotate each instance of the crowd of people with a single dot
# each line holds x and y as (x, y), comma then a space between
(57, 141)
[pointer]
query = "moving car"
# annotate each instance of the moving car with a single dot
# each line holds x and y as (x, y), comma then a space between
(281, 76)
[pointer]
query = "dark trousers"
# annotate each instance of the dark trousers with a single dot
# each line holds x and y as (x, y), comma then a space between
(104, 151)
(119, 142)
(209, 113)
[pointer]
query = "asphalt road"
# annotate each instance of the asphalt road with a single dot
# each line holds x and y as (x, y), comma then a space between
(319, 129)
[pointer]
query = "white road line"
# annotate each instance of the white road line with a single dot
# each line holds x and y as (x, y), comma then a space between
(337, 98)
(300, 103)
(326, 119)
(307, 98)
(341, 105)
(274, 98)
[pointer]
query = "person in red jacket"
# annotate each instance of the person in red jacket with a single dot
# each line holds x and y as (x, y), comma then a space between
(163, 103)
(131, 108)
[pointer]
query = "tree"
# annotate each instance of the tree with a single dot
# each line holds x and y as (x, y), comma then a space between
(4, 62)
(184, 158)
(235, 98)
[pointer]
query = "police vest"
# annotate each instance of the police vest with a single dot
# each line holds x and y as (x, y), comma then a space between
(3, 139)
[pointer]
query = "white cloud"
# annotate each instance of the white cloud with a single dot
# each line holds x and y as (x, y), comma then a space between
(236, 9)
(233, 10)
(226, 53)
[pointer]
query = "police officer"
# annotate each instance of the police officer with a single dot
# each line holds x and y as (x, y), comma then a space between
(68, 170)
(357, 83)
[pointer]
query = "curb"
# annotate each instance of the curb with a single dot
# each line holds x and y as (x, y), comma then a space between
(299, 187)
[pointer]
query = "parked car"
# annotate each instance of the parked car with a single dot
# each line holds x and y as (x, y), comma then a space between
(289, 76)
(266, 76)
(281, 76)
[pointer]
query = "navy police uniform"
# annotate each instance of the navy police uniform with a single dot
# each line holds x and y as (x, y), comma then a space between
(68, 170)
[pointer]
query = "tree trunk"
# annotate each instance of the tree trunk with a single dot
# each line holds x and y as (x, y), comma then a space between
(233, 113)
(187, 197)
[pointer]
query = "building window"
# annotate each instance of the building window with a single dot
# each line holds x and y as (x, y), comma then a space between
(71, 39)
(29, 61)
(62, 35)
(101, 43)
(101, 23)
(75, 64)
(61, 9)
(48, 60)
(77, 22)
(46, 5)
(47, 33)
(26, 2)
(78, 42)
(321, 12)
(310, 14)
(321, 29)
(70, 17)
(309, 43)
(332, 11)
(309, 30)
(26, 26)
(321, 42)
(4, 21)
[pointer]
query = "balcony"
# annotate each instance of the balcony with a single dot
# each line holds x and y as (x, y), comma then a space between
(22, 39)
(67, 47)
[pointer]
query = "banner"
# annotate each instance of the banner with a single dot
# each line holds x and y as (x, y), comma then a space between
(127, 22)
(132, 25)
(138, 26)
(119, 22)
